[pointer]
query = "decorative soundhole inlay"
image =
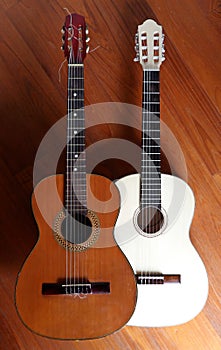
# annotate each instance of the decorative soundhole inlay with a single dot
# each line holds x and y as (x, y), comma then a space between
(150, 221)
(76, 233)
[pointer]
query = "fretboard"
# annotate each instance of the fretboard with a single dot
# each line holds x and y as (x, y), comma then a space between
(75, 194)
(151, 168)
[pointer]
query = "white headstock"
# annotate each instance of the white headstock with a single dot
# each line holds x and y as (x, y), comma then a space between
(149, 45)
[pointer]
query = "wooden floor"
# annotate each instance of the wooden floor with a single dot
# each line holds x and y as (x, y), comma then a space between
(32, 100)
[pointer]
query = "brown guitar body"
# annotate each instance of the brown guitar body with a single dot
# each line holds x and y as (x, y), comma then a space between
(68, 316)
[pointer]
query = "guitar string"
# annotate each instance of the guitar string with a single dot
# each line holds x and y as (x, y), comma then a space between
(72, 178)
(73, 150)
(68, 198)
(70, 155)
(79, 145)
(144, 156)
(148, 155)
(78, 183)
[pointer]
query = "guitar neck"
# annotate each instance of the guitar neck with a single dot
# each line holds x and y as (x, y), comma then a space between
(151, 161)
(75, 199)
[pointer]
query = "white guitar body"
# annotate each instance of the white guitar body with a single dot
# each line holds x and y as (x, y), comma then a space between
(171, 252)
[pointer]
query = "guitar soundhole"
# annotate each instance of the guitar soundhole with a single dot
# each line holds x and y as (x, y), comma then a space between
(76, 233)
(150, 221)
(76, 229)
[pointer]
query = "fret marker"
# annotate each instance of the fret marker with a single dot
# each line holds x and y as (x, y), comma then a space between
(75, 114)
(75, 132)
(75, 155)
(75, 169)
(75, 94)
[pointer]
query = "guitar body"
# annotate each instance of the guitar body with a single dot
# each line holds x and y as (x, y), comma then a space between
(71, 316)
(171, 252)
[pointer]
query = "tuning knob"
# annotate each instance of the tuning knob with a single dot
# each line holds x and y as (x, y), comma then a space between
(62, 47)
(63, 30)
(86, 30)
(136, 47)
(136, 38)
(87, 49)
(162, 38)
(137, 59)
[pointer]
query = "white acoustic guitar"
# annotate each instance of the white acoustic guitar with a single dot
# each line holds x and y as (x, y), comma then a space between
(153, 225)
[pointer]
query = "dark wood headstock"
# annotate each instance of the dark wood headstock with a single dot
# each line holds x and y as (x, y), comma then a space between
(75, 38)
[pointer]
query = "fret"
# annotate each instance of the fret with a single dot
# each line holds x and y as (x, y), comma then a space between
(81, 119)
(75, 64)
(153, 103)
(157, 183)
(76, 78)
(78, 89)
(77, 193)
(76, 99)
(150, 167)
(149, 114)
(153, 172)
(150, 203)
(74, 128)
(76, 159)
(151, 92)
(153, 196)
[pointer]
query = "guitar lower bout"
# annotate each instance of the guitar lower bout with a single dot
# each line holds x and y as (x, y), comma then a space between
(75, 289)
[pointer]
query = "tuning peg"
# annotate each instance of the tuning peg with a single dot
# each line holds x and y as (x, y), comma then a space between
(87, 39)
(136, 47)
(87, 49)
(163, 58)
(62, 47)
(63, 30)
(137, 58)
(136, 38)
(86, 30)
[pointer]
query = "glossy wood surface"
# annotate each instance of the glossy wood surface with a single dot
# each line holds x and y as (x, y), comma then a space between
(32, 100)
(64, 316)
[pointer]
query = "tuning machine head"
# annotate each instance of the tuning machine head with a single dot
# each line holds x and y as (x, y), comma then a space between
(163, 48)
(87, 32)
(136, 47)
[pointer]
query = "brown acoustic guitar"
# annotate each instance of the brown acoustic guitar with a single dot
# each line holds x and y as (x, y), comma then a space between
(76, 283)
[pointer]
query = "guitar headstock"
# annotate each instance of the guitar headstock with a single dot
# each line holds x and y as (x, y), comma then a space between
(75, 38)
(149, 45)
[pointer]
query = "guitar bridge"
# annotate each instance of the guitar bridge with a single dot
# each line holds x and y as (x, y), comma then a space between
(157, 278)
(84, 288)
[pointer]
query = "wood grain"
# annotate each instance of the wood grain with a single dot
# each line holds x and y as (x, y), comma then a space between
(32, 100)
(62, 316)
